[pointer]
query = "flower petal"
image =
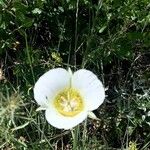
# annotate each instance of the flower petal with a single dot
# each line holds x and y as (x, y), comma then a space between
(61, 122)
(90, 86)
(50, 84)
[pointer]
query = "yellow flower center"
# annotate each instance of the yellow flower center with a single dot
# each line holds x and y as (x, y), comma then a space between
(69, 102)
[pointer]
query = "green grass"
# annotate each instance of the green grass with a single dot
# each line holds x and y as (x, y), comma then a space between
(110, 38)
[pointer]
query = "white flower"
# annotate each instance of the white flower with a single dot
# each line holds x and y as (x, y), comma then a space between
(68, 97)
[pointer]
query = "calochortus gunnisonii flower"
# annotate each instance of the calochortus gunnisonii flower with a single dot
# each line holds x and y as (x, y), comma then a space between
(67, 97)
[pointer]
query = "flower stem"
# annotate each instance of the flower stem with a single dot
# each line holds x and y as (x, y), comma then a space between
(75, 136)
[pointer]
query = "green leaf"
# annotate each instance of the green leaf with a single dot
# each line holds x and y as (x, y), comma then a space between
(20, 6)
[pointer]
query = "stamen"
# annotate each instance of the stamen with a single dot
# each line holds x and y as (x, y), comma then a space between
(69, 102)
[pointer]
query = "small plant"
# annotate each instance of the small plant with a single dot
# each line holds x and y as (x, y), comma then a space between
(109, 38)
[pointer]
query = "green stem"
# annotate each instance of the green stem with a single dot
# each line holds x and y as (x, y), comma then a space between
(29, 58)
(75, 137)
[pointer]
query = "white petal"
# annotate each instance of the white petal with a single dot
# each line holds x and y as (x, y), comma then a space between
(61, 122)
(90, 86)
(50, 84)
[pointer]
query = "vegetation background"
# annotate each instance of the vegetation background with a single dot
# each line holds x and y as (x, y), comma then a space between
(109, 37)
